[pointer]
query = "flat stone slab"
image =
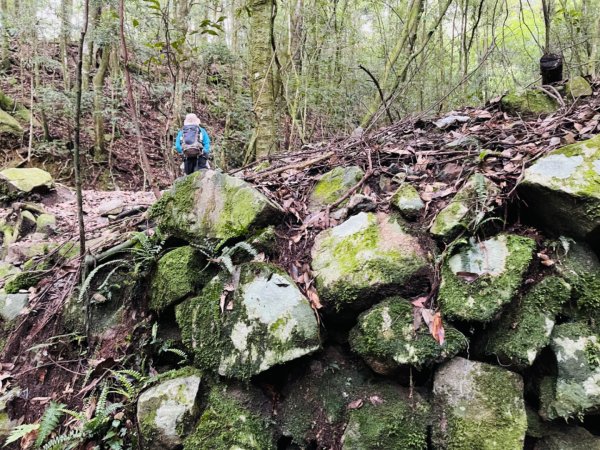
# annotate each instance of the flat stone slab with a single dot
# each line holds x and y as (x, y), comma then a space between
(19, 181)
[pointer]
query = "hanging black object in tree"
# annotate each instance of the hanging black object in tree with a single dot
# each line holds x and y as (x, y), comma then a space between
(551, 68)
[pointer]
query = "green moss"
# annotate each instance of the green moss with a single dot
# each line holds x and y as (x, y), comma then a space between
(408, 201)
(385, 338)
(179, 274)
(226, 424)
(482, 299)
(334, 184)
(579, 87)
(180, 199)
(526, 328)
(532, 101)
(23, 280)
(399, 422)
(9, 125)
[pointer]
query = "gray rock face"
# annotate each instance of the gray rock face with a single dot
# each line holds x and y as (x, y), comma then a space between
(211, 207)
(111, 207)
(563, 437)
(365, 254)
(265, 321)
(561, 189)
(11, 305)
(576, 390)
(579, 87)
(478, 405)
(166, 412)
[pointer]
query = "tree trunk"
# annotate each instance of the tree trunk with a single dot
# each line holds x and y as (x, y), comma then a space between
(262, 64)
(132, 107)
(66, 12)
(99, 78)
(4, 39)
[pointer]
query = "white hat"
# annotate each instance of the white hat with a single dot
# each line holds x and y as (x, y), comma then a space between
(191, 119)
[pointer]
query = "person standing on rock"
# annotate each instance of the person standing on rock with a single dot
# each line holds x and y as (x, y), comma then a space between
(193, 144)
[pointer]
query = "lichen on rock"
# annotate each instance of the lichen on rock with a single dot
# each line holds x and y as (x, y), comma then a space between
(209, 208)
(526, 328)
(579, 87)
(332, 185)
(266, 321)
(477, 405)
(469, 204)
(484, 276)
(17, 182)
(386, 339)
(364, 257)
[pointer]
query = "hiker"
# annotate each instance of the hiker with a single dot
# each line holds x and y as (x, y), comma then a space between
(193, 144)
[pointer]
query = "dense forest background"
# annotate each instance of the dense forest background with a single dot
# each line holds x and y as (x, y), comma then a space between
(265, 76)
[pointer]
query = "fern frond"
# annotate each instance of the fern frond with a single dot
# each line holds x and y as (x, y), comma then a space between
(49, 422)
(128, 386)
(75, 414)
(101, 404)
(59, 442)
(183, 355)
(132, 373)
(246, 247)
(226, 262)
(86, 283)
(20, 431)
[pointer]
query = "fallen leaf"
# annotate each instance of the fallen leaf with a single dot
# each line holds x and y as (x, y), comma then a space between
(356, 404)
(437, 330)
(375, 400)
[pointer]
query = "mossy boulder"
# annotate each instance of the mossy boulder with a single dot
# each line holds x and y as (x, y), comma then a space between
(477, 406)
(529, 102)
(562, 189)
(526, 328)
(408, 201)
(179, 274)
(7, 270)
(363, 258)
(19, 112)
(209, 208)
(468, 206)
(484, 276)
(386, 339)
(23, 281)
(45, 224)
(265, 321)
(18, 182)
(167, 412)
(9, 125)
(392, 417)
(332, 185)
(576, 389)
(565, 437)
(228, 422)
(579, 87)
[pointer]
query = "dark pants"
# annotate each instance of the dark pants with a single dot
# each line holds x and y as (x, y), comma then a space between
(193, 164)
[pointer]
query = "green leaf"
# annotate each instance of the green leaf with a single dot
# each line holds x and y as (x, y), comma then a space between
(21, 431)
(136, 23)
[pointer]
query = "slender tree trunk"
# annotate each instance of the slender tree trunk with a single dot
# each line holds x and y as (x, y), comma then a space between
(132, 107)
(262, 65)
(99, 79)
(66, 12)
(4, 39)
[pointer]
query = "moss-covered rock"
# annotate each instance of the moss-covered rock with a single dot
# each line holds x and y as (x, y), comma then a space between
(468, 205)
(363, 258)
(564, 437)
(17, 182)
(392, 418)
(579, 87)
(228, 424)
(266, 321)
(11, 305)
(530, 102)
(23, 280)
(333, 185)
(408, 201)
(166, 413)
(562, 189)
(209, 207)
(484, 276)
(477, 406)
(576, 389)
(19, 112)
(7, 270)
(9, 125)
(526, 328)
(179, 274)
(386, 339)
(45, 224)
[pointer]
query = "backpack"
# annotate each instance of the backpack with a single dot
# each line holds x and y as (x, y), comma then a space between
(190, 141)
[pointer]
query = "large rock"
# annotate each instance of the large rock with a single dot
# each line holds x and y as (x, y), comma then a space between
(179, 274)
(477, 406)
(579, 87)
(576, 389)
(9, 125)
(209, 207)
(561, 189)
(11, 305)
(332, 185)
(468, 206)
(564, 437)
(167, 412)
(17, 182)
(391, 418)
(266, 321)
(484, 276)
(366, 256)
(386, 339)
(230, 422)
(530, 102)
(408, 201)
(526, 328)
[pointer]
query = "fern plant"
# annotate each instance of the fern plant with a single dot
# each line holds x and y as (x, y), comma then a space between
(49, 423)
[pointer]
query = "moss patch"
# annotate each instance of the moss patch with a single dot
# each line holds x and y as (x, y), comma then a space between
(333, 185)
(532, 101)
(408, 201)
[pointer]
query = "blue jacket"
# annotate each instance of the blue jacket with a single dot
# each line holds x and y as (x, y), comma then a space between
(205, 141)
